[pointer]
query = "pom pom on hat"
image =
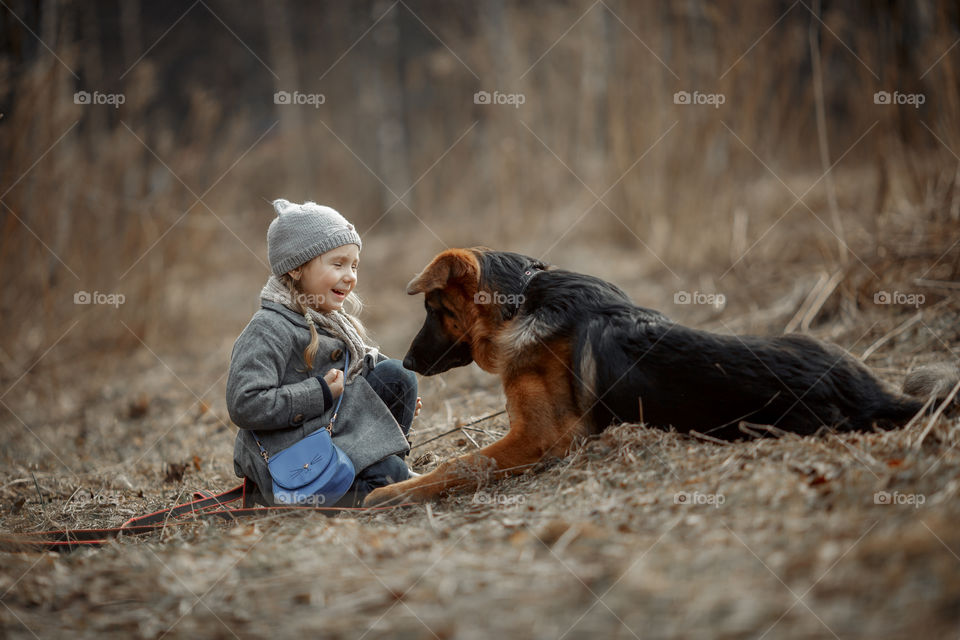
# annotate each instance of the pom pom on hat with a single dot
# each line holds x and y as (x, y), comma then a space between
(283, 206)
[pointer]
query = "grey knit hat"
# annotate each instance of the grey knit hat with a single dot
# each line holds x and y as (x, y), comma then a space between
(301, 232)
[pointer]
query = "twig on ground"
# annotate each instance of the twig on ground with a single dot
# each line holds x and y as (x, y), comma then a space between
(40, 496)
(459, 428)
(807, 302)
(937, 284)
(703, 436)
(892, 334)
(821, 299)
(918, 414)
(430, 519)
(469, 437)
(936, 414)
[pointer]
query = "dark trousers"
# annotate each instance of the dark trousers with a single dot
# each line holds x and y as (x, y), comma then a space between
(397, 387)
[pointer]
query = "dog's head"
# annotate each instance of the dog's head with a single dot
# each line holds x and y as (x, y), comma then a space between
(469, 295)
(449, 284)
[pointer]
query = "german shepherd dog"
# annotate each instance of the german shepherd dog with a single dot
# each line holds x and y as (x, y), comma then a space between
(575, 354)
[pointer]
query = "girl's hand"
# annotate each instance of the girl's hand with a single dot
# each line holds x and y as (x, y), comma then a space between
(334, 380)
(416, 411)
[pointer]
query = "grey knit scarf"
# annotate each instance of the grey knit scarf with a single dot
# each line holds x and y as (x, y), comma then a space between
(336, 323)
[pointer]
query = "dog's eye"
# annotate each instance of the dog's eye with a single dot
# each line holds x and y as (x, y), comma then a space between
(439, 309)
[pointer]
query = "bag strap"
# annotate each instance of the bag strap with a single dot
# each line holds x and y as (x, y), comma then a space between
(336, 410)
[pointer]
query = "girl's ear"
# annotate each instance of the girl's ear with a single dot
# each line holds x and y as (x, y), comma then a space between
(294, 273)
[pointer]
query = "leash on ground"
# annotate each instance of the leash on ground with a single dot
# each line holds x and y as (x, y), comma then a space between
(459, 428)
(205, 505)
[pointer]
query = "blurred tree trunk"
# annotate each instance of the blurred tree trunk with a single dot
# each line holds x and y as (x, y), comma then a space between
(494, 169)
(131, 45)
(393, 155)
(296, 151)
(130, 32)
(592, 110)
(62, 200)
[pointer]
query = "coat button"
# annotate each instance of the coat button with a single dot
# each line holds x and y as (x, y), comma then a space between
(298, 417)
(336, 354)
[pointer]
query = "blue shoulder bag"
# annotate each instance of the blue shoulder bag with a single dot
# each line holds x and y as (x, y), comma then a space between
(314, 471)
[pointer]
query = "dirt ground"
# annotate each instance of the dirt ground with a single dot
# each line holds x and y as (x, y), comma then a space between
(638, 533)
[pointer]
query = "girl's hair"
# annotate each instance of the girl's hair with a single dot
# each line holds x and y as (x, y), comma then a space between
(353, 305)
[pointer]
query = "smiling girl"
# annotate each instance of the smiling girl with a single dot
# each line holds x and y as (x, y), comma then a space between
(286, 369)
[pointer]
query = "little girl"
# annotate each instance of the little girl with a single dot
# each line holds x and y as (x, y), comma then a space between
(286, 367)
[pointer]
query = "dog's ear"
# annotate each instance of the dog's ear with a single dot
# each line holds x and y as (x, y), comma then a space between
(450, 266)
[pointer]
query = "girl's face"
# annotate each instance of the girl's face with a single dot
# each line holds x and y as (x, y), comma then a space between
(328, 279)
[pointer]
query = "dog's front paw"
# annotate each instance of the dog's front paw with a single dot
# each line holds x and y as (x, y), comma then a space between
(383, 496)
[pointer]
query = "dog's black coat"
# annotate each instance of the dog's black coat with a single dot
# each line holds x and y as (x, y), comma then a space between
(686, 378)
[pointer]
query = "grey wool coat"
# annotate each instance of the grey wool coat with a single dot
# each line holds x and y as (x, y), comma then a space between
(269, 392)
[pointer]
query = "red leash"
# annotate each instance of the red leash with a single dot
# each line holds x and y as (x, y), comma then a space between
(204, 505)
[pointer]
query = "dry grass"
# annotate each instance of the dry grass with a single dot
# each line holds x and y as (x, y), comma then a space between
(594, 544)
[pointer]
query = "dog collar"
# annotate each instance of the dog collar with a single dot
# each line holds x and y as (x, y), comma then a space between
(531, 271)
(528, 275)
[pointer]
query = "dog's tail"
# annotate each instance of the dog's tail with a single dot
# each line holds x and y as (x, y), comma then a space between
(923, 388)
(935, 380)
